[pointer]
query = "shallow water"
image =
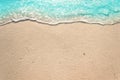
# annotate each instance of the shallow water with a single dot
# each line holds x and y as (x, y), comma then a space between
(60, 11)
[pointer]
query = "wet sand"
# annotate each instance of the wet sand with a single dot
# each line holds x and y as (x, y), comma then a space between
(78, 51)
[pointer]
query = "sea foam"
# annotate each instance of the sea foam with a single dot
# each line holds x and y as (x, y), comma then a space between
(60, 11)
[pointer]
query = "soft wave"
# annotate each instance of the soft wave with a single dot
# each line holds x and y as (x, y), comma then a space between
(60, 11)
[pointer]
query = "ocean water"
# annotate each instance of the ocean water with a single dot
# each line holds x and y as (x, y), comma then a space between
(60, 11)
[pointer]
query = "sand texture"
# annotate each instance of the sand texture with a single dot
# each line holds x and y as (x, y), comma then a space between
(77, 51)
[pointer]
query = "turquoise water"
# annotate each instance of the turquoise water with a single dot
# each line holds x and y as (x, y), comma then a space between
(60, 11)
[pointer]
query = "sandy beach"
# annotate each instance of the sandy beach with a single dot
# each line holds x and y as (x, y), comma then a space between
(77, 51)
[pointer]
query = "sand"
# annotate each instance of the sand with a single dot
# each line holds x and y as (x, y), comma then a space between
(77, 51)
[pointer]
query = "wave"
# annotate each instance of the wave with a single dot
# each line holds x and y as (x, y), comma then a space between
(60, 11)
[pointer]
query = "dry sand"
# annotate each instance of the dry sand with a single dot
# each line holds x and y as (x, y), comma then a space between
(78, 51)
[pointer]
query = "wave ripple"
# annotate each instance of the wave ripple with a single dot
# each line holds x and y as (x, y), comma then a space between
(60, 11)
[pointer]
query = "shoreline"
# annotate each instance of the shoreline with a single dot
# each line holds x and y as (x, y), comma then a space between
(56, 23)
